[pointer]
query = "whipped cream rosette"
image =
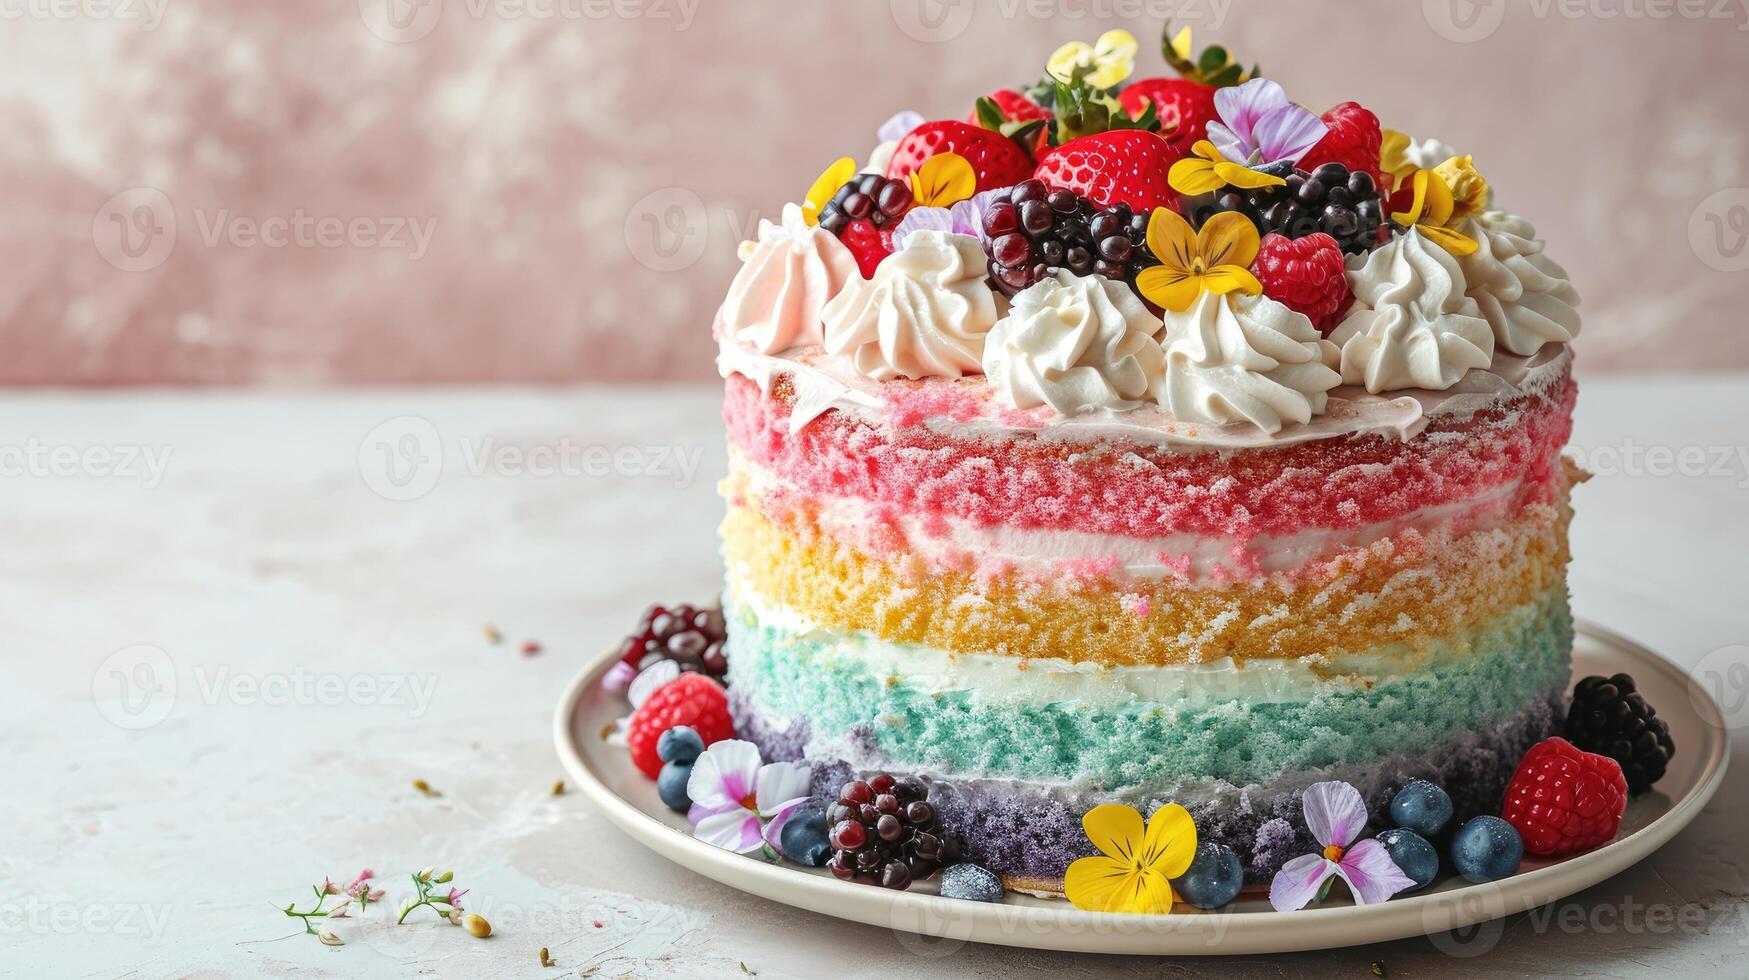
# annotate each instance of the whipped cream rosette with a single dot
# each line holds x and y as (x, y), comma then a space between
(1075, 343)
(1522, 293)
(789, 275)
(1237, 358)
(924, 314)
(1412, 325)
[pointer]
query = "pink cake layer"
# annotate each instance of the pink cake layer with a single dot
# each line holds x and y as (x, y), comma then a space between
(1147, 492)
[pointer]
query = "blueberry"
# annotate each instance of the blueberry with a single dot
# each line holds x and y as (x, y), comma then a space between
(971, 883)
(679, 744)
(671, 785)
(1412, 855)
(1486, 849)
(1214, 877)
(1422, 807)
(803, 839)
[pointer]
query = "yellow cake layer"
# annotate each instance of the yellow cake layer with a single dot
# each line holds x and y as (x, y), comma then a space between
(1402, 591)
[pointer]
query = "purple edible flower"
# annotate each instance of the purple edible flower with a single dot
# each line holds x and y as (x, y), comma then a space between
(1336, 815)
(964, 218)
(1259, 126)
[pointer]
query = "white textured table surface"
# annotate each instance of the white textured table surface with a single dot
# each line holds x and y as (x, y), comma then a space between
(230, 656)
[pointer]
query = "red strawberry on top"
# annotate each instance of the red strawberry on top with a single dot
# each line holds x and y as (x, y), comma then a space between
(1563, 800)
(1307, 275)
(1353, 141)
(997, 160)
(1185, 108)
(692, 699)
(1018, 108)
(1126, 166)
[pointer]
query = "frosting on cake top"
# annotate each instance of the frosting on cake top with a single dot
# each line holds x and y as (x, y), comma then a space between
(1193, 259)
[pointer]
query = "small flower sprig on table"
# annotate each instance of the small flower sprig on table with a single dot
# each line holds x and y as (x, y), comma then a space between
(358, 890)
(448, 907)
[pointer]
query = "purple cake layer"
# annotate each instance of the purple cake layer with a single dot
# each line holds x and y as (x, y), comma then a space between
(1033, 831)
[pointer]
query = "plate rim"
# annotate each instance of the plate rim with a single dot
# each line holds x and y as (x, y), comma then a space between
(1182, 933)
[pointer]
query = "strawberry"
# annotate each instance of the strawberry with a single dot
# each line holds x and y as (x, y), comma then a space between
(1306, 275)
(869, 243)
(1017, 108)
(693, 700)
(1185, 108)
(997, 160)
(1353, 141)
(1122, 166)
(1562, 799)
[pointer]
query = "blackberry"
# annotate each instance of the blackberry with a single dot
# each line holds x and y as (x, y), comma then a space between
(1610, 718)
(691, 637)
(1329, 199)
(1035, 230)
(884, 832)
(872, 196)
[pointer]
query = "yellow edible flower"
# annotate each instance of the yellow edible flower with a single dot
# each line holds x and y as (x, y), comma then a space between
(1134, 870)
(1432, 211)
(825, 186)
(944, 180)
(1112, 58)
(1469, 190)
(1394, 158)
(1216, 260)
(1206, 170)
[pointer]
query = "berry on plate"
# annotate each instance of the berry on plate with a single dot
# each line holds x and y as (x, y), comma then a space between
(671, 785)
(1123, 166)
(1412, 855)
(691, 637)
(1353, 141)
(1610, 718)
(1214, 877)
(1486, 849)
(1563, 799)
(1307, 275)
(679, 744)
(996, 160)
(971, 883)
(693, 700)
(1184, 108)
(803, 839)
(1423, 807)
(884, 832)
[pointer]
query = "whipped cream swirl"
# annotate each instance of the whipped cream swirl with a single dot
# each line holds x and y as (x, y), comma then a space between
(788, 277)
(1076, 344)
(924, 314)
(1412, 326)
(1428, 153)
(1233, 358)
(1523, 294)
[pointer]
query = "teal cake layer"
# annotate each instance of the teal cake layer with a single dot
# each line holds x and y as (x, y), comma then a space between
(1463, 685)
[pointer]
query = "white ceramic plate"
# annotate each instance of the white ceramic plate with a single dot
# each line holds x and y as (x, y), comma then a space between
(605, 774)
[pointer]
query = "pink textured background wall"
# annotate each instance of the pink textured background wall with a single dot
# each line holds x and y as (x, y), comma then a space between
(338, 191)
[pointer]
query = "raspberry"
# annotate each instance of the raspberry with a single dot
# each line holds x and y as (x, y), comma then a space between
(1563, 800)
(693, 700)
(1307, 275)
(1353, 141)
(869, 243)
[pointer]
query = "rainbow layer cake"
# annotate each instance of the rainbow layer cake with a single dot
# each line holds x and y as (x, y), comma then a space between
(1147, 441)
